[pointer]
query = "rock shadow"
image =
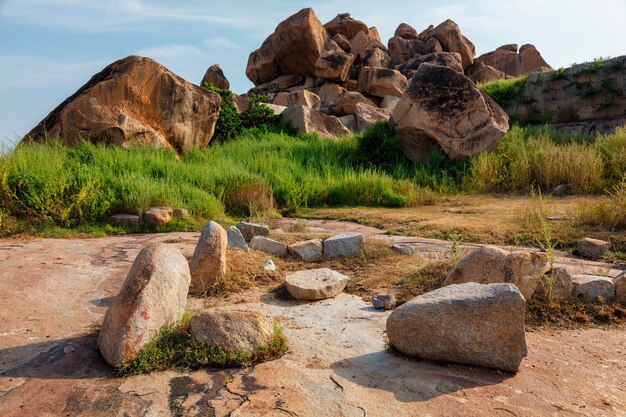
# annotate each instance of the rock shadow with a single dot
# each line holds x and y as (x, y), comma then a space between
(72, 358)
(414, 380)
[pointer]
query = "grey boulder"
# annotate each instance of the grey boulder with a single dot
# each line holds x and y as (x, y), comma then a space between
(315, 284)
(236, 240)
(344, 245)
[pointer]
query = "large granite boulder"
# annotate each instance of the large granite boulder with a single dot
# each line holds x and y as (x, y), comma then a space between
(308, 250)
(215, 76)
(442, 108)
(208, 264)
(304, 97)
(620, 288)
(406, 31)
(593, 248)
(451, 39)
(481, 73)
(153, 295)
(345, 25)
(590, 288)
(124, 104)
(557, 284)
(506, 59)
(250, 230)
(446, 59)
(381, 82)
(503, 60)
(367, 116)
(344, 245)
(262, 65)
(307, 120)
(270, 246)
(401, 49)
(334, 66)
(470, 323)
(231, 330)
(531, 60)
(315, 284)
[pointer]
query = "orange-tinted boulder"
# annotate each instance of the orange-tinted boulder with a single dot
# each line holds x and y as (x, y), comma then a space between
(345, 25)
(215, 76)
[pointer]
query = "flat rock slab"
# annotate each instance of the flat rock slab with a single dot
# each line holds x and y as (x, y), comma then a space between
(315, 284)
(250, 230)
(593, 248)
(48, 351)
(269, 246)
(469, 323)
(344, 245)
(309, 250)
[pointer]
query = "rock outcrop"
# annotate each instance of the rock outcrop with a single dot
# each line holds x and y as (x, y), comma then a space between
(154, 294)
(470, 323)
(507, 62)
(135, 101)
(442, 108)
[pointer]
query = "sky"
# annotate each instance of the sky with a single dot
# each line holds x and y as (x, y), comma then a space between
(50, 48)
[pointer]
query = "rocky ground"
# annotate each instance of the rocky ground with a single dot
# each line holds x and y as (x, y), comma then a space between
(53, 295)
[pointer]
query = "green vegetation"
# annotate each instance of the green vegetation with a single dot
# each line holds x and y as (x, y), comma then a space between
(176, 348)
(81, 187)
(507, 91)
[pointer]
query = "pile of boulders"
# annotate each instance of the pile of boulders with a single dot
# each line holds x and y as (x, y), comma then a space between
(339, 78)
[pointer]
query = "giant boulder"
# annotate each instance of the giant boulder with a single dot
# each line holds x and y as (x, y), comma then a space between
(442, 108)
(449, 35)
(153, 295)
(135, 100)
(470, 323)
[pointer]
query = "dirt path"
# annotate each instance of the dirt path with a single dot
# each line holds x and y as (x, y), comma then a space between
(53, 294)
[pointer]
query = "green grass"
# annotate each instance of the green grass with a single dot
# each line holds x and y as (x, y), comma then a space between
(175, 348)
(506, 91)
(48, 188)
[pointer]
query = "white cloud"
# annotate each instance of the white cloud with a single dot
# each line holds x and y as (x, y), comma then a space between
(222, 42)
(171, 51)
(31, 70)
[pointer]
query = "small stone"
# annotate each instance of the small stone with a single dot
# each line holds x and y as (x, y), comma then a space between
(158, 216)
(153, 295)
(208, 264)
(315, 284)
(231, 330)
(269, 246)
(384, 302)
(404, 249)
(269, 266)
(591, 287)
(343, 245)
(124, 219)
(250, 230)
(236, 240)
(593, 248)
(308, 251)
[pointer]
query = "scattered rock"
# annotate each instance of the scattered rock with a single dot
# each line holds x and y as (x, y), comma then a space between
(307, 120)
(442, 108)
(215, 76)
(122, 105)
(269, 266)
(620, 288)
(489, 265)
(309, 250)
(268, 246)
(231, 330)
(557, 283)
(303, 97)
(343, 245)
(384, 302)
(334, 66)
(236, 240)
(405, 249)
(158, 216)
(593, 248)
(590, 287)
(154, 294)
(470, 323)
(124, 219)
(250, 230)
(381, 82)
(315, 284)
(208, 264)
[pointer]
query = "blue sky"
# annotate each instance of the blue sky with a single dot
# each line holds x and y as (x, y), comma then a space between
(49, 48)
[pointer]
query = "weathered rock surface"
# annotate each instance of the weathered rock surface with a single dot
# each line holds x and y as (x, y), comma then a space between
(489, 265)
(342, 41)
(158, 216)
(442, 108)
(449, 36)
(334, 66)
(384, 301)
(306, 119)
(531, 59)
(309, 250)
(593, 248)
(268, 246)
(154, 294)
(557, 284)
(279, 83)
(590, 288)
(124, 219)
(348, 101)
(405, 249)
(367, 116)
(343, 245)
(250, 230)
(481, 73)
(508, 61)
(303, 97)
(376, 58)
(469, 323)
(262, 66)
(208, 264)
(230, 329)
(345, 25)
(315, 284)
(406, 31)
(236, 239)
(215, 76)
(620, 289)
(381, 82)
(446, 59)
(123, 105)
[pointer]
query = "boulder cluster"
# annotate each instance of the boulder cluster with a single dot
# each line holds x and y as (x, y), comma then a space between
(339, 78)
